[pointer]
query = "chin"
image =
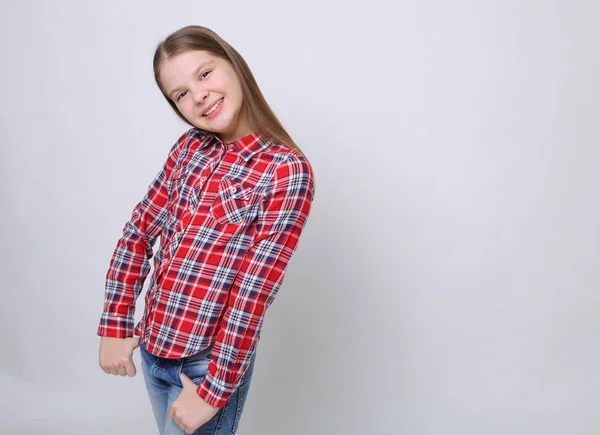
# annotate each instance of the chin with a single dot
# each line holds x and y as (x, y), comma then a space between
(219, 126)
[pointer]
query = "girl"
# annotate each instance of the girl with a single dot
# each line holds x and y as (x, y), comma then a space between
(229, 205)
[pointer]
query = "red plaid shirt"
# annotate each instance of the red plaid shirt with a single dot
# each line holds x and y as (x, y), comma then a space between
(229, 217)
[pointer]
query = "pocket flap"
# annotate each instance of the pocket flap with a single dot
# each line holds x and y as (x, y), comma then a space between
(231, 189)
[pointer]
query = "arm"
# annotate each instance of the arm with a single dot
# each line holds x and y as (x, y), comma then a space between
(280, 223)
(130, 261)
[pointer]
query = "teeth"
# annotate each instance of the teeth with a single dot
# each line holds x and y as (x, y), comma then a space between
(213, 108)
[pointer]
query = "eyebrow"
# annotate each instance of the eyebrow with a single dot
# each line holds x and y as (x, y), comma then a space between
(170, 94)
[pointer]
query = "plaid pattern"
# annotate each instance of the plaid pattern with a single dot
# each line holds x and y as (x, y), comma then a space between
(229, 217)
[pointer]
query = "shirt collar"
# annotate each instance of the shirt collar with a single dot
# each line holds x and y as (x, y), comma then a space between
(246, 146)
(249, 145)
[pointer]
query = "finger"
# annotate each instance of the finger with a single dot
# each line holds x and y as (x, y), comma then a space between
(123, 363)
(179, 423)
(121, 370)
(130, 369)
(186, 382)
(106, 368)
(171, 411)
(103, 367)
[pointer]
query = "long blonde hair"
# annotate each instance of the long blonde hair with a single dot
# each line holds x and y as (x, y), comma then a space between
(254, 107)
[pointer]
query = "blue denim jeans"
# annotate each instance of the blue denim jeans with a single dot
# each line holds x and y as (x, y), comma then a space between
(164, 385)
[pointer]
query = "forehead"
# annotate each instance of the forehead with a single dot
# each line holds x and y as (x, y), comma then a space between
(178, 68)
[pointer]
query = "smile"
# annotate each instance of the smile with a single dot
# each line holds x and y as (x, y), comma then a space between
(213, 108)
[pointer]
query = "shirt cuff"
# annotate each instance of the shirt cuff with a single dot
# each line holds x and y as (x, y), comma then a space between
(214, 391)
(115, 326)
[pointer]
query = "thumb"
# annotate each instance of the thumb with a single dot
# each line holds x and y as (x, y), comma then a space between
(130, 368)
(186, 382)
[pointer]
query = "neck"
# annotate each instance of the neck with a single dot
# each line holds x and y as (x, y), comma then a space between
(243, 128)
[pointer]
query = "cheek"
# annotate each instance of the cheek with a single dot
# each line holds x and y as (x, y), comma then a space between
(186, 108)
(233, 86)
(235, 93)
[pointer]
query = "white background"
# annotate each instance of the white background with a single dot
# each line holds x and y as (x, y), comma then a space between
(447, 281)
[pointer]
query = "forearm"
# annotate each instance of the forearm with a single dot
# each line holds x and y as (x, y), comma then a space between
(124, 282)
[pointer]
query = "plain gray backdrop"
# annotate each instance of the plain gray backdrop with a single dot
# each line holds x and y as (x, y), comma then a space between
(448, 279)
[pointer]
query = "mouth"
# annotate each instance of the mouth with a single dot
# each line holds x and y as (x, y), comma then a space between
(213, 108)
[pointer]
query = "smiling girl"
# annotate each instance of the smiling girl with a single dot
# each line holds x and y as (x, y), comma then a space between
(229, 205)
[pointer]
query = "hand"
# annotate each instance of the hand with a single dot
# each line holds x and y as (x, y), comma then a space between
(116, 355)
(189, 411)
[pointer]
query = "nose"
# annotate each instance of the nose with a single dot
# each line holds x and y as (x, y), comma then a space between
(199, 94)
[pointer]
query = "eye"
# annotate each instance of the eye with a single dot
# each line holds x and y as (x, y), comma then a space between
(180, 95)
(204, 74)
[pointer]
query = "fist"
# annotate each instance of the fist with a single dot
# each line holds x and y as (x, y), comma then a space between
(116, 355)
(189, 411)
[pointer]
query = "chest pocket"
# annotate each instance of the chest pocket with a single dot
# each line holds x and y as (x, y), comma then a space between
(235, 203)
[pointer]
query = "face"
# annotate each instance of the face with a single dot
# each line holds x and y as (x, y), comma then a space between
(207, 92)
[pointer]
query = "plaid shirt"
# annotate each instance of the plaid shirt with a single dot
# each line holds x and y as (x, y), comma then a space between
(229, 217)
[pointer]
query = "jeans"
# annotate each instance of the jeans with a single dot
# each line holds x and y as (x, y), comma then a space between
(164, 385)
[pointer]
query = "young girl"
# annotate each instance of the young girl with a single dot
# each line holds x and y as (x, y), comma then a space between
(229, 205)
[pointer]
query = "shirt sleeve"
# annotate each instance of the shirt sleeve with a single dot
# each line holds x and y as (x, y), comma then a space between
(130, 262)
(281, 220)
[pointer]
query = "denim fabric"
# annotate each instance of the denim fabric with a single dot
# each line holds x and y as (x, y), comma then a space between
(164, 385)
